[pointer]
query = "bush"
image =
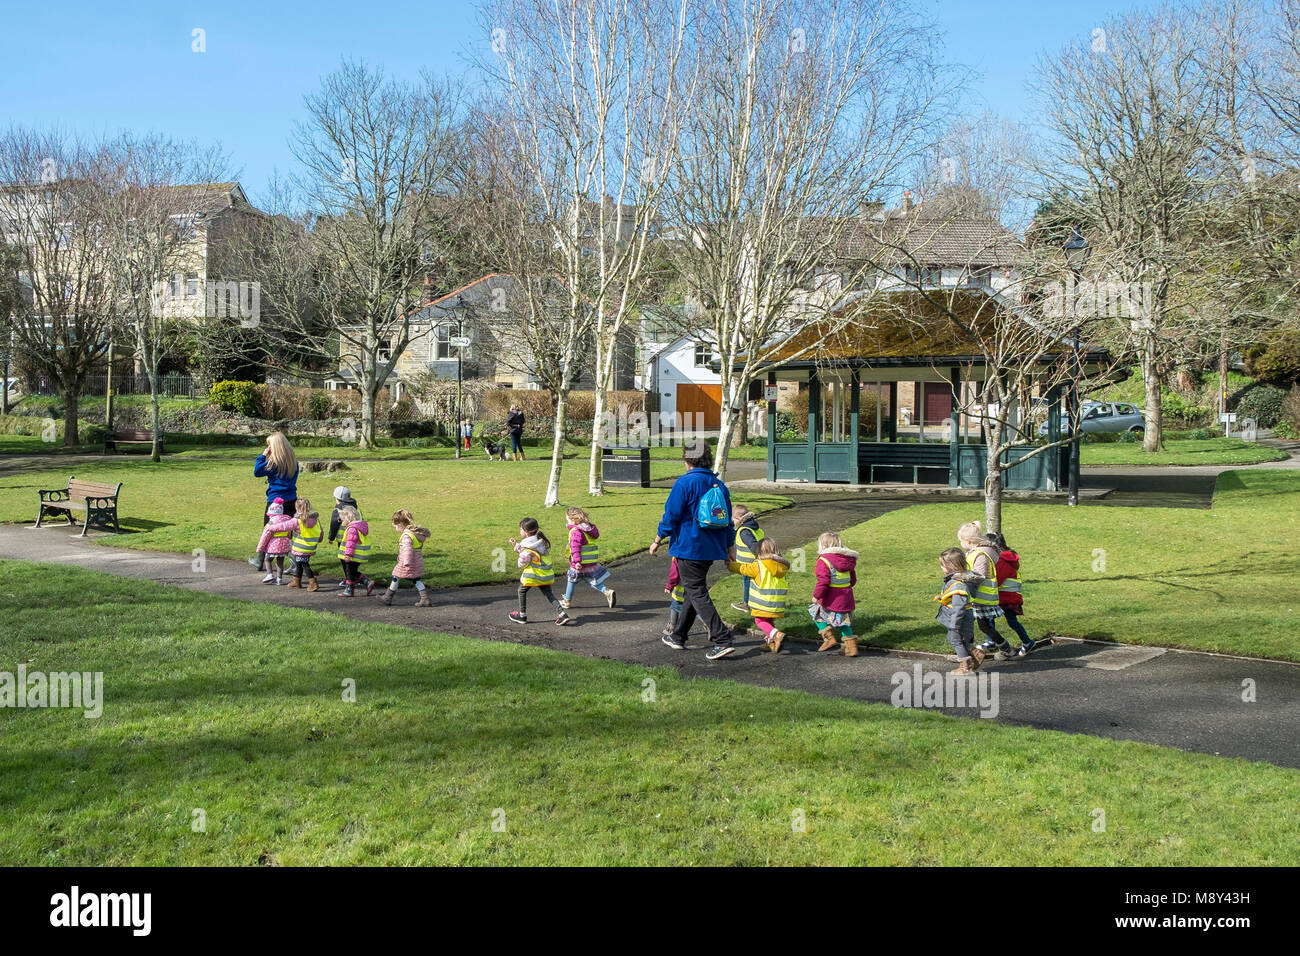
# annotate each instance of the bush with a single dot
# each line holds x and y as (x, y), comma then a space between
(1263, 403)
(238, 397)
(1182, 413)
(1198, 434)
(1291, 408)
(759, 441)
(319, 405)
(1285, 429)
(1128, 438)
(1100, 438)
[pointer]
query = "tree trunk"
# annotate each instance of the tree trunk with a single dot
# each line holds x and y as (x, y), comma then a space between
(70, 437)
(595, 478)
(157, 434)
(367, 434)
(993, 488)
(725, 434)
(557, 450)
(1152, 439)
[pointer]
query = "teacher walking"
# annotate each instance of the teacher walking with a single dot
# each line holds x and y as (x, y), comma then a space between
(279, 466)
(695, 548)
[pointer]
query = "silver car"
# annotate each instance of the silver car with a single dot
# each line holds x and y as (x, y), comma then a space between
(1105, 417)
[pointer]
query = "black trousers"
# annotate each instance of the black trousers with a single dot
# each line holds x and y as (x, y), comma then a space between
(546, 593)
(697, 603)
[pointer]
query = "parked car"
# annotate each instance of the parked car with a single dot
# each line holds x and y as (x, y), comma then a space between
(1104, 417)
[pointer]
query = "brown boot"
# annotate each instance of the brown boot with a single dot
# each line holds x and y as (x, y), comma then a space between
(313, 585)
(386, 598)
(850, 647)
(976, 658)
(424, 599)
(828, 643)
(964, 667)
(295, 582)
(777, 638)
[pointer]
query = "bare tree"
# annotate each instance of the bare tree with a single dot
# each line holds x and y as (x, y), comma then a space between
(157, 195)
(51, 210)
(1135, 116)
(343, 262)
(804, 113)
(593, 93)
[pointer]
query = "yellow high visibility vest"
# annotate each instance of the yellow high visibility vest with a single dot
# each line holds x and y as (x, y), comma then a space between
(1010, 584)
(416, 543)
(839, 579)
(987, 593)
(955, 587)
(361, 553)
(538, 571)
(743, 554)
(306, 540)
(767, 594)
(280, 534)
(589, 551)
(679, 593)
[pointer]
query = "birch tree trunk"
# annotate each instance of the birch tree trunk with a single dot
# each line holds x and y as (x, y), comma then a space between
(557, 450)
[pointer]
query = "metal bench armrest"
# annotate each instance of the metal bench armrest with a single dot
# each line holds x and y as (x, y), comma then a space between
(54, 494)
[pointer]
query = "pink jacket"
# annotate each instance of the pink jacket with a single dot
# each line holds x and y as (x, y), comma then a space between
(410, 562)
(575, 543)
(835, 600)
(350, 538)
(271, 545)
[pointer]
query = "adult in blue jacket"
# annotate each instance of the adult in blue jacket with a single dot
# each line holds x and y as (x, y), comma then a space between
(696, 548)
(279, 466)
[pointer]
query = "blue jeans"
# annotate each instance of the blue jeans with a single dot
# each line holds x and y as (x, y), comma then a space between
(1013, 622)
(744, 591)
(516, 443)
(597, 585)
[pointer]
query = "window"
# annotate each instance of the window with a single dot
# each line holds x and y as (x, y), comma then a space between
(979, 277)
(924, 276)
(442, 344)
(1099, 411)
(191, 285)
(384, 354)
(186, 230)
(703, 354)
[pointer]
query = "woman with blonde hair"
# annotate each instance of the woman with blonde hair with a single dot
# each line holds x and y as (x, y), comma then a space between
(279, 466)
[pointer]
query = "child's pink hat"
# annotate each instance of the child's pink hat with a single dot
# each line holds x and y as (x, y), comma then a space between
(276, 507)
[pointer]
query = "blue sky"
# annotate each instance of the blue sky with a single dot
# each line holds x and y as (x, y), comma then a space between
(101, 67)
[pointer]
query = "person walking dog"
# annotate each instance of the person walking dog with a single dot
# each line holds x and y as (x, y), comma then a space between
(697, 522)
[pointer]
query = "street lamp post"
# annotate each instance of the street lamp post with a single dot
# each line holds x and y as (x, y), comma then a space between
(1077, 251)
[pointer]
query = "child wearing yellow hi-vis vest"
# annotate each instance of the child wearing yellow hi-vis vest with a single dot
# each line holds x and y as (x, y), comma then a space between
(410, 558)
(982, 559)
(307, 532)
(767, 593)
(583, 554)
(676, 596)
(274, 542)
(354, 550)
(832, 606)
(748, 538)
(535, 558)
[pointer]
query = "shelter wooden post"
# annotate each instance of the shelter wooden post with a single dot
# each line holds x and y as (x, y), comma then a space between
(854, 407)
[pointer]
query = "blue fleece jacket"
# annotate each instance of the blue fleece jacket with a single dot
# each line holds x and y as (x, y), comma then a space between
(277, 486)
(690, 542)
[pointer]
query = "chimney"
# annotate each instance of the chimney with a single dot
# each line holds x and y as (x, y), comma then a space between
(907, 200)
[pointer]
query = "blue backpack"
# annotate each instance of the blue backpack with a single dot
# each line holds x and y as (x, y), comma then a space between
(712, 511)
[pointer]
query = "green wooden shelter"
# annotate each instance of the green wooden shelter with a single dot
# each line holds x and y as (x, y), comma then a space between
(905, 338)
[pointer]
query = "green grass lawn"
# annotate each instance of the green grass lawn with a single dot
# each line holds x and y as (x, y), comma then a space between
(236, 709)
(1218, 580)
(471, 506)
(1209, 451)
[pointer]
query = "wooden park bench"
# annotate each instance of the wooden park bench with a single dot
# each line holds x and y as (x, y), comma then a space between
(130, 436)
(98, 498)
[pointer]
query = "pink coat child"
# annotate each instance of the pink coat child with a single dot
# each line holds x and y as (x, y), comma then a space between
(276, 540)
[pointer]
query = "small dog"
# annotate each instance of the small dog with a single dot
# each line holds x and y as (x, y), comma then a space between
(497, 451)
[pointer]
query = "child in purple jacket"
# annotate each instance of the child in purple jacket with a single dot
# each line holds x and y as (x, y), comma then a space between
(833, 605)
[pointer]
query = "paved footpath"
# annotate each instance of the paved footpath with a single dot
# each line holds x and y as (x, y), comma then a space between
(1179, 699)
